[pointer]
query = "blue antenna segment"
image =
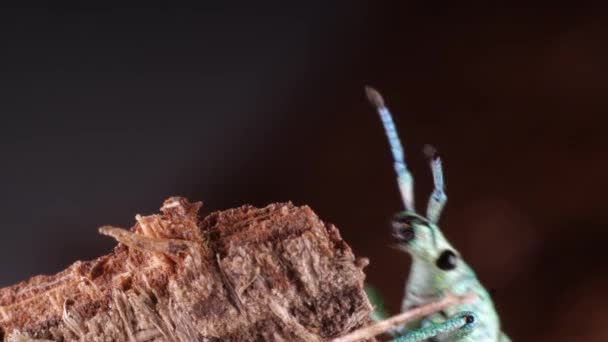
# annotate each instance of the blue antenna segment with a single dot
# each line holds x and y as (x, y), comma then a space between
(393, 139)
(404, 177)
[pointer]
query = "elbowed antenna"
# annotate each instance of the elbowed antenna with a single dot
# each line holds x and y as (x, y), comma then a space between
(404, 177)
(438, 197)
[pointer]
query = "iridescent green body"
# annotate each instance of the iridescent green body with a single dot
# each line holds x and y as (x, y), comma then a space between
(437, 267)
(428, 283)
(457, 326)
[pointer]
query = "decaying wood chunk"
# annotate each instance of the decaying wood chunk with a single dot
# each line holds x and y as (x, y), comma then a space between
(276, 273)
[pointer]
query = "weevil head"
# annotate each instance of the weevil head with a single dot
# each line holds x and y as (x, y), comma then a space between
(418, 235)
(425, 242)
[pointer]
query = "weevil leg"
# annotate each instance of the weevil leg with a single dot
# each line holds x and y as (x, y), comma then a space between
(404, 177)
(458, 326)
(379, 313)
(438, 197)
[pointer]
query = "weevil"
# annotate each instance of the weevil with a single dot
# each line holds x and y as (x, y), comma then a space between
(436, 266)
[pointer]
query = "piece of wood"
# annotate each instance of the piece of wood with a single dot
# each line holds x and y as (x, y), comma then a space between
(276, 273)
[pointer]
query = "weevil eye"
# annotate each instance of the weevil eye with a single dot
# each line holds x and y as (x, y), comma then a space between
(403, 230)
(447, 260)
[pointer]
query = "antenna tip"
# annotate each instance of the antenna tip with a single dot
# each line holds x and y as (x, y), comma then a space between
(374, 97)
(430, 152)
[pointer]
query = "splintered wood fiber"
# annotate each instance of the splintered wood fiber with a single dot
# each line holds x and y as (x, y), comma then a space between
(277, 273)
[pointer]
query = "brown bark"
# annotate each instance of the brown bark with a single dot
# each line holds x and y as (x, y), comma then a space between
(276, 273)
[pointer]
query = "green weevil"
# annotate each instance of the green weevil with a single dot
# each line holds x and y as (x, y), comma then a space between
(436, 266)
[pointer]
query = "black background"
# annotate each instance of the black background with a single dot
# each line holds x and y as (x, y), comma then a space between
(106, 112)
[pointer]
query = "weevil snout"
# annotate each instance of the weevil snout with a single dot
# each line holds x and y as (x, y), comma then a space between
(416, 235)
(403, 228)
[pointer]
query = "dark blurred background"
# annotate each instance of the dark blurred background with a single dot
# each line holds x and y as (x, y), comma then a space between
(106, 112)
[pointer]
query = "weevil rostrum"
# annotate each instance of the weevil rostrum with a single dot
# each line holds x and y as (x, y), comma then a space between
(436, 266)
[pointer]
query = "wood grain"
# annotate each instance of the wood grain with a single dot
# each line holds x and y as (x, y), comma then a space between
(276, 273)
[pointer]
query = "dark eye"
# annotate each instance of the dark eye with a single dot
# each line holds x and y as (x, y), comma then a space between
(447, 260)
(402, 227)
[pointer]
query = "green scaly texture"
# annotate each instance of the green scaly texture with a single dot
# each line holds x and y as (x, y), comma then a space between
(457, 327)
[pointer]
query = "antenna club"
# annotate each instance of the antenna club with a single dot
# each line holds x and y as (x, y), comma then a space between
(374, 97)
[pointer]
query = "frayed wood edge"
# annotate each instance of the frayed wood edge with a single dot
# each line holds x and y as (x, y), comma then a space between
(399, 320)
